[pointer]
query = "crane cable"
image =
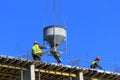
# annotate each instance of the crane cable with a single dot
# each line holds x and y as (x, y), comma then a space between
(46, 11)
(45, 18)
(62, 12)
(54, 14)
(54, 11)
(64, 22)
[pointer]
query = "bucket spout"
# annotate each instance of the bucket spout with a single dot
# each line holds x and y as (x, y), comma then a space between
(55, 54)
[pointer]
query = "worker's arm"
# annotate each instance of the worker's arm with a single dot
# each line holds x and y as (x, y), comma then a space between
(43, 47)
(98, 66)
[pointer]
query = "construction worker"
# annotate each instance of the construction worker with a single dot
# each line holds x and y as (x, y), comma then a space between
(37, 51)
(95, 63)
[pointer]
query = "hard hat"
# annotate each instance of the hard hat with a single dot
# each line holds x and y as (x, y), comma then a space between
(98, 58)
(35, 42)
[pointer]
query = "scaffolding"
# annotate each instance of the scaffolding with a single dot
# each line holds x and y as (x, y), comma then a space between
(12, 68)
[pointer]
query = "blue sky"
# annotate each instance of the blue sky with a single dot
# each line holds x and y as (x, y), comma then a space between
(93, 28)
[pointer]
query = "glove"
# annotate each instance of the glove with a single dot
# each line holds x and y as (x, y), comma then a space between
(100, 67)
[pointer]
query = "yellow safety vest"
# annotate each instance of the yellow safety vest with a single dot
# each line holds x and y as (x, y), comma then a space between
(36, 49)
(94, 62)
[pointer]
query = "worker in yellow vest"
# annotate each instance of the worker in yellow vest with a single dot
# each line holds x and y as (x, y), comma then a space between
(95, 63)
(37, 51)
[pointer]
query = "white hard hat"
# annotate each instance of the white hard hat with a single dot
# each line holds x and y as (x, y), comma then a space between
(35, 42)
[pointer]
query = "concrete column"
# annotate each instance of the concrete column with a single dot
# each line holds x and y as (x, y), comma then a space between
(29, 74)
(39, 75)
(32, 72)
(21, 74)
(70, 77)
(80, 76)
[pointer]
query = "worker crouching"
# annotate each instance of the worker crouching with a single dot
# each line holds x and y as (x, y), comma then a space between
(37, 51)
(95, 63)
